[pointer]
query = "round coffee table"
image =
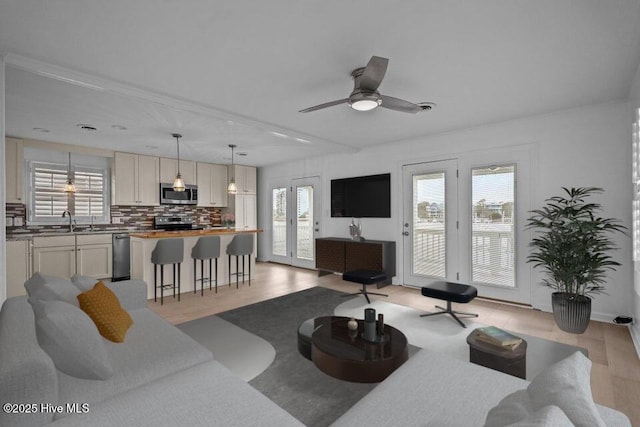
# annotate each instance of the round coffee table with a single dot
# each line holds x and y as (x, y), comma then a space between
(343, 354)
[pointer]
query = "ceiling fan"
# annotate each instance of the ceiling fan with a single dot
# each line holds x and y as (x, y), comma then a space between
(365, 95)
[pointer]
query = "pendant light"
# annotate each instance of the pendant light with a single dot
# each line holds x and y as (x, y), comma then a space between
(178, 183)
(232, 188)
(69, 187)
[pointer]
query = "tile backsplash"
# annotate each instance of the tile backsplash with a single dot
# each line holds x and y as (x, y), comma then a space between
(122, 217)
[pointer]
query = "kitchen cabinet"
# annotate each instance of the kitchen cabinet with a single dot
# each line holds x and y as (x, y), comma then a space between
(18, 266)
(245, 177)
(14, 165)
(137, 180)
(94, 255)
(169, 169)
(64, 256)
(55, 255)
(212, 183)
(246, 211)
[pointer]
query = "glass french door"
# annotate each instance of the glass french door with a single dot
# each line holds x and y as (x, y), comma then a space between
(295, 222)
(429, 228)
(461, 220)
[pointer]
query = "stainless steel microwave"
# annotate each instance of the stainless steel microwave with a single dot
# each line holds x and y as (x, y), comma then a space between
(168, 196)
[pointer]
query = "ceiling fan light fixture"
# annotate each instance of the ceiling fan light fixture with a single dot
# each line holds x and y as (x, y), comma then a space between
(365, 104)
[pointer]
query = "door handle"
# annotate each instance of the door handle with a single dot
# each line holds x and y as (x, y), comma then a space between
(317, 230)
(405, 233)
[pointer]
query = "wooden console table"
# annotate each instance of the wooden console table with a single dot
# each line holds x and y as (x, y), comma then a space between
(337, 255)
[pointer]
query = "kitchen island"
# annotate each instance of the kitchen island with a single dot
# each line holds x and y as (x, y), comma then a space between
(143, 243)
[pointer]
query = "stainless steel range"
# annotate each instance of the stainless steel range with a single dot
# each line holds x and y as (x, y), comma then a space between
(174, 223)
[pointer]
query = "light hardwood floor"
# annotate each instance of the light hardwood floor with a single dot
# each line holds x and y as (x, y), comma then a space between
(615, 378)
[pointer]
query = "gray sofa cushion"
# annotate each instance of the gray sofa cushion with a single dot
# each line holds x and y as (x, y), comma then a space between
(50, 288)
(71, 339)
(84, 283)
(27, 374)
(205, 395)
(567, 384)
(153, 349)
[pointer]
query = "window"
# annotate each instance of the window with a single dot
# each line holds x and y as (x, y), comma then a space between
(47, 199)
(492, 220)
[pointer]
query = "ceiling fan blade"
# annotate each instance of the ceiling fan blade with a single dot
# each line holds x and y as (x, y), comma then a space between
(400, 105)
(325, 105)
(373, 73)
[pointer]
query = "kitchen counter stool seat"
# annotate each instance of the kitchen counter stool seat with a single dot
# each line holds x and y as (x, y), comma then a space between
(167, 251)
(207, 248)
(240, 246)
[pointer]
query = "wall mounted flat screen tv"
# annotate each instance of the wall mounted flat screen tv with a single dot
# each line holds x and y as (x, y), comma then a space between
(361, 197)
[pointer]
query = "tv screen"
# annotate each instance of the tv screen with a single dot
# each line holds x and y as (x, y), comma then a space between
(361, 197)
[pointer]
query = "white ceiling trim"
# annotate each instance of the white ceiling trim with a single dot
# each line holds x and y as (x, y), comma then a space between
(101, 84)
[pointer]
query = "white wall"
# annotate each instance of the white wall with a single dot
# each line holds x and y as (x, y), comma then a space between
(586, 146)
(634, 104)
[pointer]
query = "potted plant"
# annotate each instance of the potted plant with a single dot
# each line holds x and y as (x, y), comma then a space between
(572, 248)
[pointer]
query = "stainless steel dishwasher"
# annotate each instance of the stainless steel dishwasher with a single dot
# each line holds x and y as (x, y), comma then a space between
(121, 257)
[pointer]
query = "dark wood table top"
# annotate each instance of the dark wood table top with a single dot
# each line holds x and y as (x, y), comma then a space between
(343, 354)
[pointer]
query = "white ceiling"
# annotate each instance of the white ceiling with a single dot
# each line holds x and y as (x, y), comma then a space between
(257, 63)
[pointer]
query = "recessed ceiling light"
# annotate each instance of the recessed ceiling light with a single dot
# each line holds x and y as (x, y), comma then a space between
(303, 141)
(242, 153)
(151, 147)
(230, 122)
(119, 127)
(42, 130)
(279, 135)
(87, 127)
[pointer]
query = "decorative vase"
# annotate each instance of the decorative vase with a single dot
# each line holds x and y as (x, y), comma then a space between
(352, 324)
(369, 325)
(571, 312)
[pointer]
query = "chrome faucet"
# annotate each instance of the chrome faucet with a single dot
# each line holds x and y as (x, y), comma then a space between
(72, 222)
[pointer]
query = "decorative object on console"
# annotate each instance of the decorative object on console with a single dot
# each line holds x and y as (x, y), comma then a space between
(69, 187)
(355, 231)
(572, 248)
(178, 183)
(232, 188)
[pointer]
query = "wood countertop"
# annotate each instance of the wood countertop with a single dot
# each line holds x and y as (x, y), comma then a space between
(161, 234)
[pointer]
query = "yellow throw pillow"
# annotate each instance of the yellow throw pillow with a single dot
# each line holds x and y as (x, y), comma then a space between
(103, 307)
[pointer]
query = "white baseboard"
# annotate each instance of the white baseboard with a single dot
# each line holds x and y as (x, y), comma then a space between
(599, 316)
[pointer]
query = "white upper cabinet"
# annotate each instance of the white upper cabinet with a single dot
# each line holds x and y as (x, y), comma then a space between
(14, 161)
(212, 185)
(245, 177)
(137, 180)
(169, 169)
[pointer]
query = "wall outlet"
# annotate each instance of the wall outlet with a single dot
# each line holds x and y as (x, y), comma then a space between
(18, 221)
(115, 220)
(8, 221)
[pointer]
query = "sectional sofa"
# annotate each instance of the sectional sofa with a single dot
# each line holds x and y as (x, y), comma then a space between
(161, 377)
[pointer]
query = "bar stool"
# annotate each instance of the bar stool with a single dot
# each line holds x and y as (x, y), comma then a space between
(240, 245)
(206, 248)
(167, 251)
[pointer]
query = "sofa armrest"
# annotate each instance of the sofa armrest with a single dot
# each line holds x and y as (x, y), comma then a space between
(131, 293)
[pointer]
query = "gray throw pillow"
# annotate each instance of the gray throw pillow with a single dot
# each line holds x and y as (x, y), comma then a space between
(567, 384)
(84, 283)
(50, 288)
(513, 408)
(71, 339)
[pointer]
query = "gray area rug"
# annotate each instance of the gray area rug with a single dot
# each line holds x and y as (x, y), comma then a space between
(293, 382)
